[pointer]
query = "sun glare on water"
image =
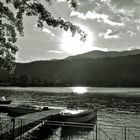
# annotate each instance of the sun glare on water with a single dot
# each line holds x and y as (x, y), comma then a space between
(73, 45)
(79, 90)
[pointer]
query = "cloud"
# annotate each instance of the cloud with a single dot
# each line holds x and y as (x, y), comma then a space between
(134, 47)
(48, 31)
(125, 3)
(45, 30)
(130, 33)
(101, 49)
(99, 17)
(61, 0)
(124, 12)
(137, 1)
(54, 51)
(110, 34)
(115, 25)
(137, 21)
(138, 28)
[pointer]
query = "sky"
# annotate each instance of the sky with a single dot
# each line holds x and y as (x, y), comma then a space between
(111, 25)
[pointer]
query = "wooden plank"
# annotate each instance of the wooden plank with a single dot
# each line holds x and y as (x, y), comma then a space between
(30, 121)
(39, 115)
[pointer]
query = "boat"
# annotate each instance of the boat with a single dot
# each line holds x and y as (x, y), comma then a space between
(78, 115)
(25, 109)
(3, 100)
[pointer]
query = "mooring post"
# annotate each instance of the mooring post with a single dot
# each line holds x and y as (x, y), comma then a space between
(21, 123)
(96, 132)
(93, 131)
(13, 132)
(125, 133)
(1, 123)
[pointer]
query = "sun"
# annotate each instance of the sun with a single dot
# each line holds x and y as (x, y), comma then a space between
(73, 45)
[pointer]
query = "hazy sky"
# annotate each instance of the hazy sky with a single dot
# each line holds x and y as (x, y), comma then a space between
(110, 25)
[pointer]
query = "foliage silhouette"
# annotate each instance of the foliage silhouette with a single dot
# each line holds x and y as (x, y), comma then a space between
(12, 22)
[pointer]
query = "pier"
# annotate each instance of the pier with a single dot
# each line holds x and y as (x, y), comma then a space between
(74, 131)
(14, 127)
(32, 125)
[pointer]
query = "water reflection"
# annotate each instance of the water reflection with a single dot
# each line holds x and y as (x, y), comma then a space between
(78, 131)
(79, 90)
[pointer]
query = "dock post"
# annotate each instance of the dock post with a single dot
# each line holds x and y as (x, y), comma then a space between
(1, 125)
(21, 123)
(125, 133)
(13, 132)
(96, 132)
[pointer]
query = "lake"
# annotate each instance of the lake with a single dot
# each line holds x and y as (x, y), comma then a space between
(116, 106)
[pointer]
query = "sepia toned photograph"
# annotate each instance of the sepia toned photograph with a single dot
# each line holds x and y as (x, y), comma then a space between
(69, 69)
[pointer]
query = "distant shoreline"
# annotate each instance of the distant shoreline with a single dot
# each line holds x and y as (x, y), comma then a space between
(72, 86)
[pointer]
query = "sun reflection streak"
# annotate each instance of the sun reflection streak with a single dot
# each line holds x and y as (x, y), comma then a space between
(79, 90)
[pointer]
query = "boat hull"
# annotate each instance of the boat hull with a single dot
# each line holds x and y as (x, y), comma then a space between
(13, 111)
(83, 117)
(25, 109)
(6, 102)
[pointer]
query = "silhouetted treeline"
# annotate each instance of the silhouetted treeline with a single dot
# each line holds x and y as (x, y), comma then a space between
(25, 81)
(121, 71)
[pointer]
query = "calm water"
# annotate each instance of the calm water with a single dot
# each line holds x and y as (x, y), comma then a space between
(116, 106)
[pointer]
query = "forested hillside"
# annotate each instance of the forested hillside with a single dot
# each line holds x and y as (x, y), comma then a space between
(117, 71)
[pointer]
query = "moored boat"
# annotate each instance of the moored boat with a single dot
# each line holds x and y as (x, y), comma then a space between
(3, 100)
(78, 115)
(25, 109)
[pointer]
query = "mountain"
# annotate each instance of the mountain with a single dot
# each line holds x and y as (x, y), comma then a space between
(109, 71)
(101, 54)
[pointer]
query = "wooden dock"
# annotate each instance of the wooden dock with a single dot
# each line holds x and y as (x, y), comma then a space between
(27, 122)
